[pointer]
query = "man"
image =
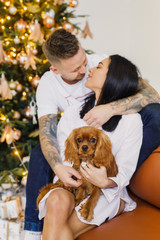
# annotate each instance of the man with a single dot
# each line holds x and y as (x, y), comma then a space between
(62, 86)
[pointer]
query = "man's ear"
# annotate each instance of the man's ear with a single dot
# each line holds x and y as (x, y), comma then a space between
(54, 69)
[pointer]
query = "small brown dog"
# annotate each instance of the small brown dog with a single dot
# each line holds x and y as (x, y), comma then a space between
(86, 144)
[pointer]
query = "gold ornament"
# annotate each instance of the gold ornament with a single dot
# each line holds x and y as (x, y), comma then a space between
(16, 40)
(34, 51)
(19, 87)
(68, 26)
(35, 81)
(16, 115)
(48, 22)
(27, 113)
(20, 25)
(12, 10)
(22, 57)
(73, 3)
(12, 84)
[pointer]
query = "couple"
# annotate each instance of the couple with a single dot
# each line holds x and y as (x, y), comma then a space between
(69, 65)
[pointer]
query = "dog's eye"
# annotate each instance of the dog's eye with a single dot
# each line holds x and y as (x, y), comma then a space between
(93, 140)
(79, 140)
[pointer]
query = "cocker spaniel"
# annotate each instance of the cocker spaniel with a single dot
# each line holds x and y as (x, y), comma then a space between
(91, 145)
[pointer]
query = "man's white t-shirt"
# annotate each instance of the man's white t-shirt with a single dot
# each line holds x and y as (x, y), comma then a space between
(53, 93)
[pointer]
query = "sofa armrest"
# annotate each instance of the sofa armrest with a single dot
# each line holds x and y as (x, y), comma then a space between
(145, 183)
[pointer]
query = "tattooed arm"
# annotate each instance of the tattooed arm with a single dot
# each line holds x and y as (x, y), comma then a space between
(98, 115)
(49, 145)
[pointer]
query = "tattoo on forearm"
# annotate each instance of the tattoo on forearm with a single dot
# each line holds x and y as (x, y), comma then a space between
(135, 103)
(48, 128)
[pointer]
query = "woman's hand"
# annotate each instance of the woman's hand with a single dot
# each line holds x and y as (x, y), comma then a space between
(98, 115)
(96, 176)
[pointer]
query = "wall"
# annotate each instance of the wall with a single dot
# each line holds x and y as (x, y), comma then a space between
(127, 27)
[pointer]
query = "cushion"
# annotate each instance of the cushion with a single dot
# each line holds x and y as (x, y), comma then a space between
(145, 183)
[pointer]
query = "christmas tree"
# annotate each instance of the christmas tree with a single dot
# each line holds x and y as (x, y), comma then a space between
(24, 26)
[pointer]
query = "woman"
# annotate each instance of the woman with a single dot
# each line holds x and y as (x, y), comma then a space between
(114, 78)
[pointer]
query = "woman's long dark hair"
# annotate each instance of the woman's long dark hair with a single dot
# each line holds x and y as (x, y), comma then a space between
(121, 82)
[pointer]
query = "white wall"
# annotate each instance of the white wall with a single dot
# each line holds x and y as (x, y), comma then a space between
(127, 27)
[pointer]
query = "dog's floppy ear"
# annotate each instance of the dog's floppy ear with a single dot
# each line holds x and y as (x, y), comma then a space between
(103, 154)
(71, 151)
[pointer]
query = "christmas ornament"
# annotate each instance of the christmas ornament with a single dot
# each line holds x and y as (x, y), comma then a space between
(12, 84)
(2, 53)
(68, 26)
(17, 134)
(86, 31)
(27, 113)
(14, 61)
(12, 10)
(50, 13)
(20, 25)
(9, 135)
(8, 59)
(48, 22)
(31, 60)
(16, 115)
(73, 3)
(31, 27)
(33, 110)
(4, 88)
(22, 57)
(36, 34)
(16, 40)
(34, 51)
(35, 81)
(19, 87)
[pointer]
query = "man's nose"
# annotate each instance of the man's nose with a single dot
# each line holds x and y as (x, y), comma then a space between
(83, 70)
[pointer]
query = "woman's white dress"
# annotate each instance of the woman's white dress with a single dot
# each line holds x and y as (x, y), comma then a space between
(126, 141)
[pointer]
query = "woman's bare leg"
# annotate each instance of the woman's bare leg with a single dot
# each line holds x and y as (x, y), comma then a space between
(60, 205)
(77, 227)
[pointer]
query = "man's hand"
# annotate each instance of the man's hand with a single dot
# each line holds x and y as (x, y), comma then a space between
(66, 173)
(98, 115)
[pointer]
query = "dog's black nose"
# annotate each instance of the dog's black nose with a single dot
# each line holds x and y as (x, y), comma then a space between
(84, 147)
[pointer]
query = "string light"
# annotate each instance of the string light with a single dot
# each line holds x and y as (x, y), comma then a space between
(3, 117)
(8, 17)
(2, 20)
(7, 3)
(16, 152)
